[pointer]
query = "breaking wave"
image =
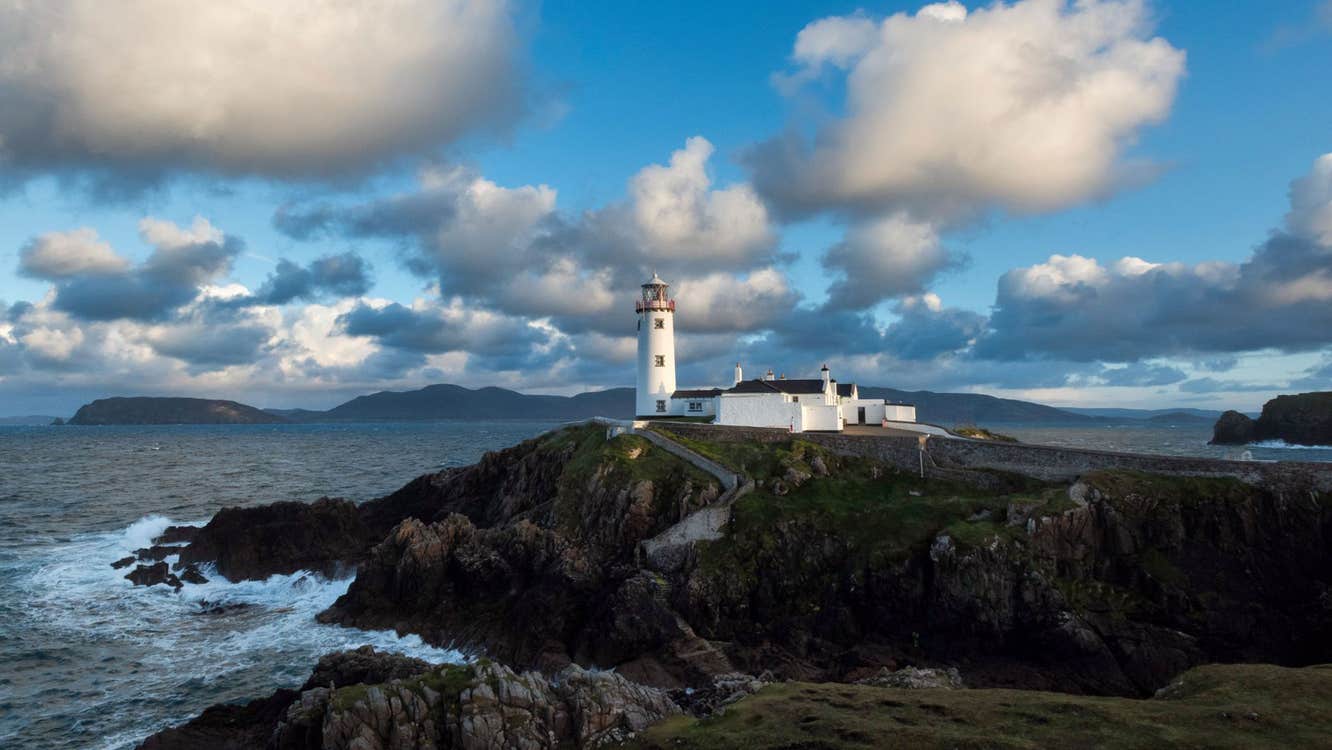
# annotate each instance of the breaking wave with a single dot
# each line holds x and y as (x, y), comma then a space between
(157, 653)
(1283, 445)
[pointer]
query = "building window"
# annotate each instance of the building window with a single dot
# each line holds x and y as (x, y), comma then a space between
(659, 323)
(795, 399)
(695, 406)
(659, 360)
(661, 407)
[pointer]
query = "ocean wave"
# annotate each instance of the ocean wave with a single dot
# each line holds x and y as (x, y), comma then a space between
(1283, 445)
(153, 656)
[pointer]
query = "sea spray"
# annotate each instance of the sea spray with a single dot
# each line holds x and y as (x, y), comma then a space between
(159, 653)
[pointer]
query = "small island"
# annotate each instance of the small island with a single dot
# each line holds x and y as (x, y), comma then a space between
(156, 410)
(1299, 419)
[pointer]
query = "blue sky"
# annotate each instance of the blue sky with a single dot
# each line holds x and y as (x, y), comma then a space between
(1219, 110)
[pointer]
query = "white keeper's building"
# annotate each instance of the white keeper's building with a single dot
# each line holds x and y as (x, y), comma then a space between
(817, 404)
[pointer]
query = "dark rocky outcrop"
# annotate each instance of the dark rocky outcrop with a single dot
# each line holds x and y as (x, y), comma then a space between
(151, 575)
(538, 557)
(1300, 419)
(124, 562)
(326, 536)
(367, 700)
(192, 574)
(177, 535)
(155, 410)
(1233, 428)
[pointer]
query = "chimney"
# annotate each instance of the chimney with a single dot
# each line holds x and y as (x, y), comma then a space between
(738, 375)
(769, 376)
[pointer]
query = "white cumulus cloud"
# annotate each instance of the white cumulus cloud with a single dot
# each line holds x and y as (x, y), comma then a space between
(1027, 106)
(280, 88)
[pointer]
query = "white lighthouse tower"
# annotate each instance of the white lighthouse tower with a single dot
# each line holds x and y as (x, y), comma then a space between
(656, 349)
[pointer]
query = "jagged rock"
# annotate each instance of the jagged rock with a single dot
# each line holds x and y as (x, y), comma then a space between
(191, 574)
(124, 562)
(226, 726)
(177, 535)
(363, 665)
(151, 575)
(555, 582)
(254, 543)
(483, 706)
(157, 552)
(915, 678)
(207, 608)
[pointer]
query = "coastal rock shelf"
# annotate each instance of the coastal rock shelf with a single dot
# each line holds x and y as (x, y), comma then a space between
(838, 566)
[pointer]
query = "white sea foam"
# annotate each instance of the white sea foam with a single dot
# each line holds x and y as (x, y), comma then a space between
(264, 634)
(1283, 445)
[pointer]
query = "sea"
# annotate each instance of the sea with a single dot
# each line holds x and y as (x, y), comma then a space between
(89, 661)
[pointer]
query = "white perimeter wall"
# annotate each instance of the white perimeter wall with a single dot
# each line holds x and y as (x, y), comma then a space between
(876, 411)
(820, 417)
(900, 413)
(759, 410)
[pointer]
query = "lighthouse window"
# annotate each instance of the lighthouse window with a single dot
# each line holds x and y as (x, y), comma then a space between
(661, 407)
(659, 360)
(659, 323)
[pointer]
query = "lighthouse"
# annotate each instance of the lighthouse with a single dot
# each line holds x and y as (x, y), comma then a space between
(656, 349)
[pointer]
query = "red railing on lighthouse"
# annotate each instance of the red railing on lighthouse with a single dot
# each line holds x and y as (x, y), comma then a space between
(656, 304)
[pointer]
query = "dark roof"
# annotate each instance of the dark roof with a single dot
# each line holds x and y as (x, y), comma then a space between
(778, 386)
(697, 393)
(845, 389)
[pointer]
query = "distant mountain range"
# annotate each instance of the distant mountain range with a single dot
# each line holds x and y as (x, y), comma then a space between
(443, 402)
(1207, 414)
(457, 402)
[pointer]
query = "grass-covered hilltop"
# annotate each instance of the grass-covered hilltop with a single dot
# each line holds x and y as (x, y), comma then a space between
(614, 593)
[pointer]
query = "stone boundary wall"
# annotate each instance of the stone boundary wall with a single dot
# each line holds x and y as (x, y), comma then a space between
(952, 457)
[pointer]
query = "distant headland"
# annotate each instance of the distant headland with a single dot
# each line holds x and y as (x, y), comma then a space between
(1298, 419)
(150, 410)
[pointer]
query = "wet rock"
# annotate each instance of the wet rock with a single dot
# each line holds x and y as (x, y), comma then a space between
(208, 608)
(191, 574)
(124, 562)
(177, 535)
(254, 543)
(915, 678)
(226, 726)
(151, 575)
(158, 552)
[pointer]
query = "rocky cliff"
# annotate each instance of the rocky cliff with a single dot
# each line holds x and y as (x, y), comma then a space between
(366, 700)
(1301, 419)
(152, 410)
(833, 568)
